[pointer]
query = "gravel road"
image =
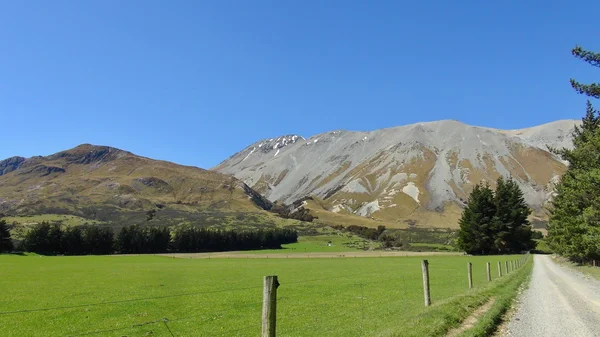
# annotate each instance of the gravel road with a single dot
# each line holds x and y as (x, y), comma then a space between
(559, 302)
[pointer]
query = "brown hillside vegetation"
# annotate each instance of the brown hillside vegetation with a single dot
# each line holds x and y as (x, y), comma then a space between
(105, 183)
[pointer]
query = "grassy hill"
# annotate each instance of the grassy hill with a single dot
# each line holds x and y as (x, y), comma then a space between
(105, 184)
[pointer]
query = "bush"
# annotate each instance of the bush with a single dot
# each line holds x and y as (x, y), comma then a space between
(363, 231)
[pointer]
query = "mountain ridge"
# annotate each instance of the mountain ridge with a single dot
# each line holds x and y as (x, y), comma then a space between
(507, 131)
(103, 182)
(434, 164)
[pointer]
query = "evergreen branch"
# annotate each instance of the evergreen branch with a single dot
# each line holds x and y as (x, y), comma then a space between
(588, 56)
(592, 90)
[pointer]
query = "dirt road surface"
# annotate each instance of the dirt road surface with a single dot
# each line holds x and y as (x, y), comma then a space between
(559, 302)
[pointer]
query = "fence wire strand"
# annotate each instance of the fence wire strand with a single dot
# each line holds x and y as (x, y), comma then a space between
(354, 288)
(226, 333)
(330, 278)
(316, 321)
(118, 329)
(126, 301)
(165, 320)
(167, 326)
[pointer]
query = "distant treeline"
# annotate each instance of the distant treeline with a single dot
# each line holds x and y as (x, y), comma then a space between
(401, 238)
(363, 231)
(54, 239)
(299, 213)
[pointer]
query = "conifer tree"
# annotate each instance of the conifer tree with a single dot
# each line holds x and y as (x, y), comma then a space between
(593, 89)
(5, 241)
(502, 221)
(477, 222)
(514, 229)
(496, 222)
(574, 227)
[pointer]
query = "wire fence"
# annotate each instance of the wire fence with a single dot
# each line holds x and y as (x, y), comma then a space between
(352, 304)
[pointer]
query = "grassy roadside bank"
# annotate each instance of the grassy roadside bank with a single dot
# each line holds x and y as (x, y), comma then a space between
(504, 293)
(451, 313)
(587, 270)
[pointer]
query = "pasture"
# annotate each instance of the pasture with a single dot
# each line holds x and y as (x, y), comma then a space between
(162, 296)
(321, 244)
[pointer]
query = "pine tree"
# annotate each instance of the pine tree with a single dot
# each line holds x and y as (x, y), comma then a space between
(477, 222)
(496, 222)
(513, 229)
(37, 239)
(5, 241)
(574, 228)
(502, 219)
(592, 90)
(72, 241)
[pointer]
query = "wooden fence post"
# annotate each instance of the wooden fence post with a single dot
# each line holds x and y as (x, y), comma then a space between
(506, 265)
(426, 294)
(269, 312)
(489, 272)
(470, 274)
(499, 269)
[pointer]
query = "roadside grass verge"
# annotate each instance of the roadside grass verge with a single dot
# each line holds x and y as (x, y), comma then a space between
(504, 294)
(585, 269)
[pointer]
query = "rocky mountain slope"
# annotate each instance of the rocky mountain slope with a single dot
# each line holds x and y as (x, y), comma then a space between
(104, 183)
(420, 173)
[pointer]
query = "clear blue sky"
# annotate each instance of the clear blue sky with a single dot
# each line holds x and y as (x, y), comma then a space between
(195, 81)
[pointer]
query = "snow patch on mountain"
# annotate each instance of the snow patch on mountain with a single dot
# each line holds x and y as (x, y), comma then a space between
(338, 208)
(354, 186)
(369, 208)
(412, 190)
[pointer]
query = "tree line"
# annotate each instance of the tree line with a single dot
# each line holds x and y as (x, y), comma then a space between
(495, 222)
(363, 231)
(55, 239)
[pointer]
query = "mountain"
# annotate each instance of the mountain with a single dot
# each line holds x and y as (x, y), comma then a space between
(416, 174)
(108, 184)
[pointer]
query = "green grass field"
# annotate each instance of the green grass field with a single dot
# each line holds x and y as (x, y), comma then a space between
(434, 246)
(130, 295)
(319, 244)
